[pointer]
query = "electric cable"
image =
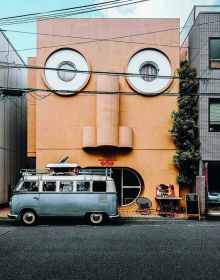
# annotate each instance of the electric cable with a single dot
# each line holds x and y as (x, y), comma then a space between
(5, 65)
(93, 40)
(90, 8)
(158, 77)
(64, 9)
(114, 39)
(90, 92)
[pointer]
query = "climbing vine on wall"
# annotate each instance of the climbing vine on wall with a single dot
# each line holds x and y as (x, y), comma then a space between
(185, 128)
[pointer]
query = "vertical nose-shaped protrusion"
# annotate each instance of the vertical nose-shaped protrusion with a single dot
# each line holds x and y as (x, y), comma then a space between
(107, 111)
(107, 131)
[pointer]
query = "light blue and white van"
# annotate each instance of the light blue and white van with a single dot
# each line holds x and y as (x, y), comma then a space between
(87, 195)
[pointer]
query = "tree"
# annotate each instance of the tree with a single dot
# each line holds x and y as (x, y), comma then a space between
(185, 128)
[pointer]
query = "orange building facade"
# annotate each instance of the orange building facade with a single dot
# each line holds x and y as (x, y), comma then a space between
(104, 120)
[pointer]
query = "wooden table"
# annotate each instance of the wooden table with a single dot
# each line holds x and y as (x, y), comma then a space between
(167, 204)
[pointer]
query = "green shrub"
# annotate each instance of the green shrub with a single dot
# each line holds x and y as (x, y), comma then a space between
(185, 127)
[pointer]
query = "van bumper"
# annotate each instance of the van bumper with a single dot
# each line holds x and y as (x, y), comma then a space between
(13, 216)
(114, 217)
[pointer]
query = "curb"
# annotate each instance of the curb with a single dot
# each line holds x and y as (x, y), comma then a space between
(126, 219)
(130, 219)
(5, 219)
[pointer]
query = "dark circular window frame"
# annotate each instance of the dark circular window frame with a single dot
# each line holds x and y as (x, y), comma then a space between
(151, 78)
(69, 63)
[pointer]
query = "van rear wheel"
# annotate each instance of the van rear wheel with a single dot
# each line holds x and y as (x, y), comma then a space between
(28, 217)
(96, 218)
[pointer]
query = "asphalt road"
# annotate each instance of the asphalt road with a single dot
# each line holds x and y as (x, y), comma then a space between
(127, 250)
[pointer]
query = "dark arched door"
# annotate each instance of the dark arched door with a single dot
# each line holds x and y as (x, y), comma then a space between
(128, 184)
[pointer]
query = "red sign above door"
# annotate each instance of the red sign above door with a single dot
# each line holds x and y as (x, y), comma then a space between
(107, 162)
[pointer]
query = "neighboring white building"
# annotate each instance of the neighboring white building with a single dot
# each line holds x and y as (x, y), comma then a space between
(12, 119)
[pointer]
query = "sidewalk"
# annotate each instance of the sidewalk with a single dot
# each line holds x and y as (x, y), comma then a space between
(4, 212)
(131, 212)
(124, 212)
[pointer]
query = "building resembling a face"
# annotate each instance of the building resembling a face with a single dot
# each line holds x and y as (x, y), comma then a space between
(100, 118)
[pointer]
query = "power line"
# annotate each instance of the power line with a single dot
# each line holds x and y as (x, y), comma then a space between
(55, 13)
(92, 40)
(114, 39)
(69, 11)
(51, 11)
(97, 72)
(130, 93)
(119, 37)
(5, 65)
(27, 90)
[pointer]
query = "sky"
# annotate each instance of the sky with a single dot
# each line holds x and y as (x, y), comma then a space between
(150, 9)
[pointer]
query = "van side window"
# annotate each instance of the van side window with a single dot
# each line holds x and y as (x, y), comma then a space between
(29, 186)
(49, 186)
(82, 186)
(99, 186)
(66, 186)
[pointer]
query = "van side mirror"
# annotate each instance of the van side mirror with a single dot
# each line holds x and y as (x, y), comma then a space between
(11, 189)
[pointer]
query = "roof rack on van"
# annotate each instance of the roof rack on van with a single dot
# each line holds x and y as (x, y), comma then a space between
(96, 171)
(107, 172)
(37, 172)
(34, 171)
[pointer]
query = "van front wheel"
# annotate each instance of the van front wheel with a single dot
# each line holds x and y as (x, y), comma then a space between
(29, 217)
(96, 218)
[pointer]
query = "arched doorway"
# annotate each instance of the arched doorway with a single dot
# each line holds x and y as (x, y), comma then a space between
(128, 183)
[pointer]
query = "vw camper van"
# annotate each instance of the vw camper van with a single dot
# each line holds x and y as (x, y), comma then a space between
(87, 193)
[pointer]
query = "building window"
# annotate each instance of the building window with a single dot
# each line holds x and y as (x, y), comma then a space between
(63, 72)
(66, 80)
(148, 71)
(214, 53)
(214, 115)
(149, 64)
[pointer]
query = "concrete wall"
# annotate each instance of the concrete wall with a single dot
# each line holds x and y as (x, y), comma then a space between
(12, 121)
(207, 26)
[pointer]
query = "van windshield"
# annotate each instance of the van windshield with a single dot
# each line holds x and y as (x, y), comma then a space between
(28, 186)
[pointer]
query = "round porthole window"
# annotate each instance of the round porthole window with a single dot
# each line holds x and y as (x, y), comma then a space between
(70, 71)
(152, 69)
(148, 71)
(66, 71)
